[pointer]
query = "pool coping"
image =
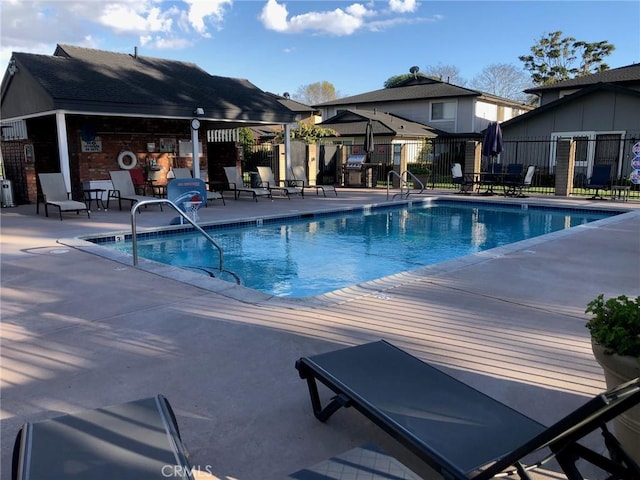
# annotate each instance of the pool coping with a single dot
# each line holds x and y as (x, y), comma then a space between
(376, 287)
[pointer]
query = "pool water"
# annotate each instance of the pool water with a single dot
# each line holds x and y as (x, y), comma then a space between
(309, 256)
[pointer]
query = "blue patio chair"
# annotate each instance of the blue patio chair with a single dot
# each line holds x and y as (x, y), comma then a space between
(600, 180)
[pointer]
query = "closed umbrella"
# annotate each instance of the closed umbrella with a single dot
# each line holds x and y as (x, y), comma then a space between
(492, 143)
(368, 140)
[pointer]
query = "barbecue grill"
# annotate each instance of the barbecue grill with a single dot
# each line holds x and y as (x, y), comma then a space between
(358, 173)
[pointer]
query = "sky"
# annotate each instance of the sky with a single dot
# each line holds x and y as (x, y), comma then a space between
(283, 45)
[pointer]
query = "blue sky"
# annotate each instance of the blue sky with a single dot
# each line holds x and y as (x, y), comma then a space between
(282, 45)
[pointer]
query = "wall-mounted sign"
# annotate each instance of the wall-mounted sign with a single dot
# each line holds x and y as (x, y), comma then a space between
(92, 146)
(185, 148)
(635, 164)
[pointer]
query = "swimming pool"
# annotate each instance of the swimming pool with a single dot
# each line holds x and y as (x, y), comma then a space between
(319, 253)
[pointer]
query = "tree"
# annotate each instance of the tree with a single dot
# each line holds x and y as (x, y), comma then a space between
(396, 79)
(553, 58)
(316, 93)
(307, 132)
(446, 73)
(503, 80)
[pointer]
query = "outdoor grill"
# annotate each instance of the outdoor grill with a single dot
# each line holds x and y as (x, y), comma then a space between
(358, 173)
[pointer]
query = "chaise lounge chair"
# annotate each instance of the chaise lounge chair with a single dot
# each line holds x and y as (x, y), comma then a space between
(136, 440)
(269, 181)
(466, 182)
(54, 192)
(123, 189)
(454, 428)
(600, 180)
(300, 178)
(236, 185)
(186, 173)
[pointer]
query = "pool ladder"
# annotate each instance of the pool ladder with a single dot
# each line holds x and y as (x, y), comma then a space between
(164, 201)
(405, 191)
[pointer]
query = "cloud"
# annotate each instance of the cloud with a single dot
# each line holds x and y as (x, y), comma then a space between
(36, 26)
(403, 6)
(338, 22)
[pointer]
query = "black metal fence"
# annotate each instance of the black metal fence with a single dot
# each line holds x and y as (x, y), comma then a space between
(436, 156)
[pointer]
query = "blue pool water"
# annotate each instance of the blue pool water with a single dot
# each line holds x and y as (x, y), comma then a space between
(309, 256)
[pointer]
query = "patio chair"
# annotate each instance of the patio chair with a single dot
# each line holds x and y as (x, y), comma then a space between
(515, 187)
(211, 194)
(135, 440)
(466, 182)
(600, 180)
(457, 430)
(236, 185)
(299, 177)
(123, 189)
(54, 192)
(269, 181)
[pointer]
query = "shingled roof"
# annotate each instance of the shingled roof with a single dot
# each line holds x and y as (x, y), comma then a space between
(353, 123)
(414, 89)
(622, 76)
(94, 81)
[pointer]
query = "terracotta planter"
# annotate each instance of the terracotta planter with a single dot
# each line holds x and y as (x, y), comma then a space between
(619, 369)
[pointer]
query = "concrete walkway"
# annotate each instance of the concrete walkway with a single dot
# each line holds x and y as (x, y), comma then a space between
(81, 331)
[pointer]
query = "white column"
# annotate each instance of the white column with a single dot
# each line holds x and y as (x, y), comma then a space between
(196, 153)
(63, 149)
(287, 150)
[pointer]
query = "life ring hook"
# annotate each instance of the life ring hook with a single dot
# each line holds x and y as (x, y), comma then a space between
(127, 160)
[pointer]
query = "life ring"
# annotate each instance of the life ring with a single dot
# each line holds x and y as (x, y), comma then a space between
(131, 163)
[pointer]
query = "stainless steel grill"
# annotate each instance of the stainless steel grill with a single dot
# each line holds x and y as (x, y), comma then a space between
(358, 173)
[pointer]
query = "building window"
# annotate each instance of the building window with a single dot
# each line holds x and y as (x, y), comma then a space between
(443, 110)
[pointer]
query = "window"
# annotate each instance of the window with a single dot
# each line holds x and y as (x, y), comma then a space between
(443, 110)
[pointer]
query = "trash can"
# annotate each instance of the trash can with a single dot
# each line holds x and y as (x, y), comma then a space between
(7, 193)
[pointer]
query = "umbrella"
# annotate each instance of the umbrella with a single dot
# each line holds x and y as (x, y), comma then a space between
(492, 142)
(368, 139)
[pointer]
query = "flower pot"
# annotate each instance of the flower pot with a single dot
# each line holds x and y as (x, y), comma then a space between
(619, 369)
(424, 178)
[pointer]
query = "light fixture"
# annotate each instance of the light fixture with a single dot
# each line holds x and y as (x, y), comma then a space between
(198, 111)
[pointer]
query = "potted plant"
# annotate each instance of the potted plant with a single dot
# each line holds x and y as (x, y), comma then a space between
(422, 171)
(615, 339)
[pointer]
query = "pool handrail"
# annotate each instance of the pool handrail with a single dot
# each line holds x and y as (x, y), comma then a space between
(134, 239)
(403, 183)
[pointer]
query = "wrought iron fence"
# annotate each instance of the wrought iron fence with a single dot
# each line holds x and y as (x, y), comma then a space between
(436, 156)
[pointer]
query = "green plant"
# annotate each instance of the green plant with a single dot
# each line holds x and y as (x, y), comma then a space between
(616, 324)
(420, 168)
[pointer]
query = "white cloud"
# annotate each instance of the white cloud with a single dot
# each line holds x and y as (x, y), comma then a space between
(337, 22)
(36, 26)
(200, 10)
(403, 6)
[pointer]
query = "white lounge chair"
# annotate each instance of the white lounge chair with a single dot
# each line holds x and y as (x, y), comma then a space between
(123, 189)
(186, 173)
(54, 192)
(300, 177)
(236, 184)
(269, 181)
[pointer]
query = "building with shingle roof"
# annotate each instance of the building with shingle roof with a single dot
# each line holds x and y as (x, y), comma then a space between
(79, 110)
(441, 105)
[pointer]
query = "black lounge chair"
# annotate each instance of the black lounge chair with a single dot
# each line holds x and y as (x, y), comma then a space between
(135, 440)
(457, 430)
(600, 180)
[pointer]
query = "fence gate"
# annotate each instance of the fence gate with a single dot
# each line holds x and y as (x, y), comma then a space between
(328, 165)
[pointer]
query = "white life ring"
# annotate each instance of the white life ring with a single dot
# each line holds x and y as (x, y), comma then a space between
(131, 163)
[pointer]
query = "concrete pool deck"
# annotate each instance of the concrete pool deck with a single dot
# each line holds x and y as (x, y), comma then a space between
(81, 331)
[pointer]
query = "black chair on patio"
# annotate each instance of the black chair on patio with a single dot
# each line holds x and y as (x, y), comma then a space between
(514, 188)
(600, 180)
(466, 182)
(460, 432)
